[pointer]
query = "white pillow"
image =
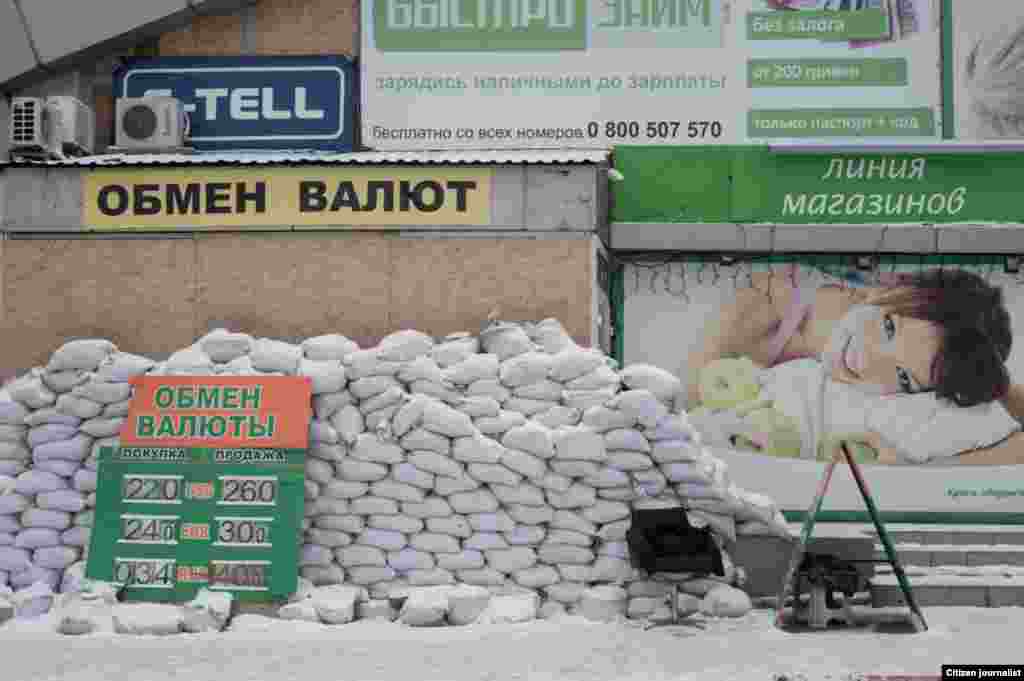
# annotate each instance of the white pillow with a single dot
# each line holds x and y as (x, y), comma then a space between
(924, 427)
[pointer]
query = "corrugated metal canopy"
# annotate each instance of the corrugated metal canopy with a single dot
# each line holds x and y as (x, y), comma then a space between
(301, 158)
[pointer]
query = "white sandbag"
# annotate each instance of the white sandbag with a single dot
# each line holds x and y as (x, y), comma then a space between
(84, 519)
(327, 405)
(103, 392)
(331, 539)
(326, 376)
(468, 559)
(432, 507)
(478, 501)
(482, 577)
(641, 405)
(574, 362)
(565, 592)
(474, 368)
(493, 473)
(422, 368)
(554, 481)
(603, 512)
(224, 346)
(297, 611)
(614, 569)
(454, 349)
(607, 477)
(586, 399)
(312, 490)
(394, 396)
(526, 535)
(523, 493)
(575, 469)
(329, 347)
(662, 384)
(693, 472)
(628, 460)
(370, 505)
(441, 465)
(405, 346)
(30, 392)
(579, 444)
(441, 419)
(479, 407)
(383, 539)
(273, 355)
(434, 543)
(541, 391)
(726, 601)
(357, 555)
(409, 415)
(578, 496)
(491, 522)
(444, 392)
(7, 539)
(389, 489)
(567, 520)
(327, 506)
(75, 449)
(50, 577)
(314, 554)
(379, 421)
(323, 575)
(477, 449)
(536, 577)
(319, 471)
(17, 433)
(512, 559)
(603, 604)
(411, 475)
(13, 559)
(673, 427)
(352, 470)
(189, 361)
(35, 482)
(117, 409)
(49, 432)
(551, 336)
(528, 408)
(721, 524)
(50, 415)
(411, 559)
(601, 378)
(12, 468)
(13, 502)
(570, 537)
(626, 439)
(506, 340)
(56, 557)
(559, 417)
(62, 500)
(553, 554)
(615, 531)
(37, 538)
(84, 353)
(445, 486)
(348, 423)
(376, 609)
(525, 369)
(530, 515)
(102, 427)
(642, 608)
(370, 575)
(675, 451)
(351, 524)
(7, 484)
(618, 493)
(531, 437)
(12, 412)
(432, 577)
(425, 607)
(454, 526)
(702, 491)
(367, 363)
(424, 440)
(396, 523)
(485, 541)
(346, 489)
(503, 422)
(466, 603)
(489, 387)
(121, 367)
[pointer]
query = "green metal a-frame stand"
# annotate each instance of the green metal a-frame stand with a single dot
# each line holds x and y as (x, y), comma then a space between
(917, 619)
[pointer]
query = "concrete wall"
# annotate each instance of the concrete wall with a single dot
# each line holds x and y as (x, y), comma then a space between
(156, 295)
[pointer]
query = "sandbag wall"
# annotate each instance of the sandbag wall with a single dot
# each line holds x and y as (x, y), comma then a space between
(508, 460)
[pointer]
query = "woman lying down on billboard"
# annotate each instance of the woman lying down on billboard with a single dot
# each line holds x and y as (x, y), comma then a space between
(911, 372)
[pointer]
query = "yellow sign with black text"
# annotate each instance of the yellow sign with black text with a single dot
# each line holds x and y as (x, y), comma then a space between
(267, 198)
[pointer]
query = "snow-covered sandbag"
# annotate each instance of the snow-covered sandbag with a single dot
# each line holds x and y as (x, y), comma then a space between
(12, 412)
(148, 619)
(298, 611)
(571, 537)
(675, 451)
(511, 559)
(75, 449)
(611, 569)
(437, 464)
(443, 420)
(536, 577)
(467, 559)
(574, 362)
(511, 609)
(553, 554)
(189, 361)
(482, 577)
(603, 603)
(10, 433)
(56, 557)
(367, 363)
(47, 415)
(615, 531)
(35, 482)
(424, 440)
(36, 517)
(524, 493)
(489, 387)
(389, 489)
(14, 502)
(579, 444)
(328, 347)
(726, 601)
(370, 448)
(531, 437)
(502, 423)
(376, 609)
(479, 501)
(444, 391)
(568, 520)
(274, 355)
(721, 524)
(405, 346)
(208, 611)
(340, 523)
(361, 471)
(477, 449)
(494, 474)
(313, 554)
(626, 439)
(319, 471)
(410, 559)
(331, 539)
(530, 515)
(466, 603)
(566, 592)
(224, 346)
(411, 475)
(359, 555)
(525, 369)
(103, 392)
(445, 486)
(455, 348)
(62, 500)
(628, 460)
(49, 432)
(491, 522)
(479, 407)
(578, 496)
(425, 607)
(394, 396)
(346, 489)
(30, 392)
(432, 507)
(34, 601)
(383, 539)
(486, 541)
(370, 505)
(641, 405)
(585, 399)
(422, 368)
(432, 577)
(673, 427)
(607, 477)
(13, 559)
(435, 543)
(451, 527)
(526, 535)
(336, 604)
(348, 423)
(528, 408)
(603, 512)
(473, 368)
(551, 336)
(51, 577)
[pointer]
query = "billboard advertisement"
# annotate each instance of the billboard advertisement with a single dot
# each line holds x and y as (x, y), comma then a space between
(984, 69)
(556, 73)
(917, 367)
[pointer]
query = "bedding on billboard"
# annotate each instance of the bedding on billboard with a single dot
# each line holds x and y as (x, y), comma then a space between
(984, 67)
(604, 72)
(918, 365)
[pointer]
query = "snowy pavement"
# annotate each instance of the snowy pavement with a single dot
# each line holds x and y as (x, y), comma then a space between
(570, 649)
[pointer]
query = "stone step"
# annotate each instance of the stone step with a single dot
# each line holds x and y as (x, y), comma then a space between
(934, 588)
(933, 555)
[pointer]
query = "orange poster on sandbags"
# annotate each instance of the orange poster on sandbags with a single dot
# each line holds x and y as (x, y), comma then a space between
(219, 411)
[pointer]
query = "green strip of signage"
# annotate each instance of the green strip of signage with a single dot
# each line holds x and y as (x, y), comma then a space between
(463, 26)
(802, 123)
(826, 72)
(867, 24)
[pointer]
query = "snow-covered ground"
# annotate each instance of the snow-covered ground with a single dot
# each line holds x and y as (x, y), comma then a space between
(568, 649)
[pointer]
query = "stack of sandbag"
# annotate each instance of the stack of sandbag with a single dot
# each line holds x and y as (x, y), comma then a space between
(508, 461)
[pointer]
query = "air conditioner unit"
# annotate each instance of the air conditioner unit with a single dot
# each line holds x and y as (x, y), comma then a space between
(72, 127)
(26, 131)
(151, 124)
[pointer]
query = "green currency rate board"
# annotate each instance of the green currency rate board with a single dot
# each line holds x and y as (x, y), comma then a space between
(171, 521)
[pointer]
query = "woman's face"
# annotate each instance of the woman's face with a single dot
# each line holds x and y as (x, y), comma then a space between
(882, 352)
